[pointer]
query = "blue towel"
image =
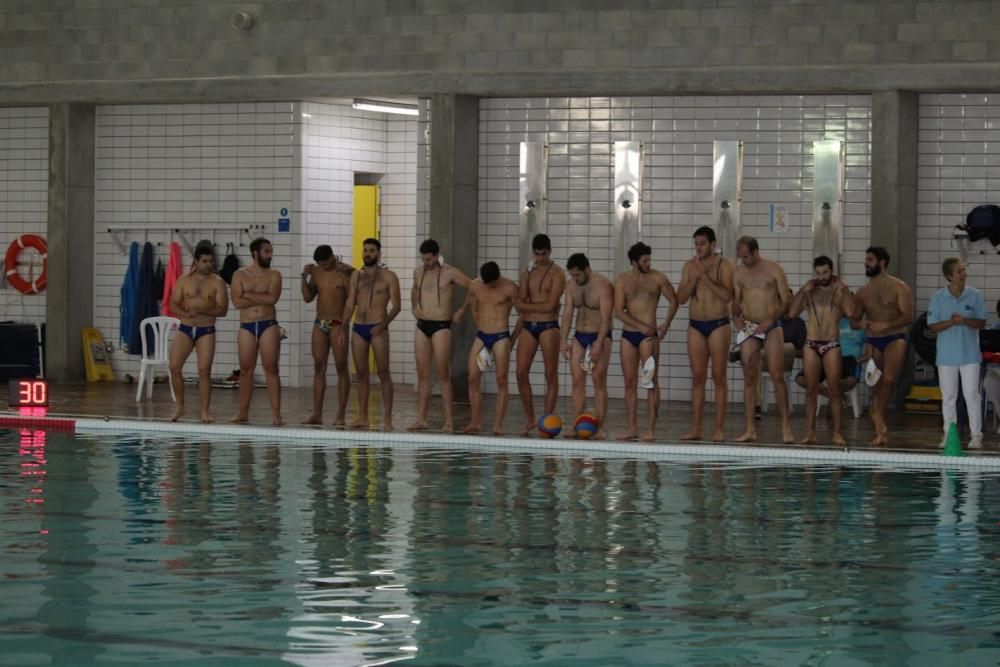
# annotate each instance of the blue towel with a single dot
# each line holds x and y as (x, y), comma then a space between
(130, 286)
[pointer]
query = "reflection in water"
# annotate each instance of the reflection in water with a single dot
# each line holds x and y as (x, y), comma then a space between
(263, 554)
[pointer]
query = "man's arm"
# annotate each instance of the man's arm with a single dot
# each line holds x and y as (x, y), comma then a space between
(397, 307)
(622, 313)
(459, 314)
(456, 276)
(689, 279)
(551, 304)
(239, 300)
(848, 304)
(344, 268)
(781, 281)
(309, 289)
(566, 320)
(798, 303)
(352, 296)
(220, 305)
(176, 296)
(414, 296)
(268, 298)
(667, 290)
(736, 307)
(606, 303)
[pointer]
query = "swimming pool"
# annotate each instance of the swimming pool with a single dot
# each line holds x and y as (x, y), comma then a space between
(130, 549)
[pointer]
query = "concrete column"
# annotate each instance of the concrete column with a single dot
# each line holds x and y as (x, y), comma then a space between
(70, 294)
(894, 180)
(454, 204)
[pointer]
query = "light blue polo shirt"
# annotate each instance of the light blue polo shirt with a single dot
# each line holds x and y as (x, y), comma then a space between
(957, 346)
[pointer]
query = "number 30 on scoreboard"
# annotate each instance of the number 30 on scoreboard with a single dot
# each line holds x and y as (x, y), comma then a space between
(28, 393)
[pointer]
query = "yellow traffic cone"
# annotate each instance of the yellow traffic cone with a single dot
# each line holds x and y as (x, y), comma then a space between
(952, 444)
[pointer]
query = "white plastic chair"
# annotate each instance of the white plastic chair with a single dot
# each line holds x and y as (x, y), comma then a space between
(155, 355)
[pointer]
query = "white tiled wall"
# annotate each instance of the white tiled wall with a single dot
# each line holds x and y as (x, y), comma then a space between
(337, 142)
(958, 169)
(208, 170)
(24, 183)
(677, 133)
(213, 170)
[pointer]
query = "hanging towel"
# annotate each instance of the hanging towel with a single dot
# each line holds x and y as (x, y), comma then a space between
(159, 277)
(129, 291)
(146, 299)
(174, 272)
(229, 265)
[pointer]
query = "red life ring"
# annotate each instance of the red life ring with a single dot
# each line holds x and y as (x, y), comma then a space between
(10, 263)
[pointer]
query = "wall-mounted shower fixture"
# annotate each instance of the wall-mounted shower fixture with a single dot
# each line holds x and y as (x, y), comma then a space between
(627, 222)
(727, 194)
(532, 205)
(828, 200)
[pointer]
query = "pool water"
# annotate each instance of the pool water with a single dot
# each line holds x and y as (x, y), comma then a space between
(130, 550)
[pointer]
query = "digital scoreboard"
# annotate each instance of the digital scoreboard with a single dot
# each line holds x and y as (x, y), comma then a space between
(28, 393)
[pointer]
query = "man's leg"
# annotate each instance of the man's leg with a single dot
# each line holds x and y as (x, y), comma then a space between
(832, 368)
(321, 354)
(892, 366)
(550, 358)
(750, 359)
(579, 378)
(180, 350)
(651, 348)
(697, 346)
(718, 347)
(775, 345)
(424, 355)
(380, 347)
(441, 347)
(501, 355)
(526, 348)
(599, 376)
(270, 351)
(338, 343)
(359, 349)
(246, 350)
(205, 348)
(629, 356)
(812, 368)
(475, 389)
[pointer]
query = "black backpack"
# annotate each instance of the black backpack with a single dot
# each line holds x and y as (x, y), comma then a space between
(983, 222)
(230, 264)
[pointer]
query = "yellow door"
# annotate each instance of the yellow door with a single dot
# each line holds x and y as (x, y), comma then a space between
(366, 210)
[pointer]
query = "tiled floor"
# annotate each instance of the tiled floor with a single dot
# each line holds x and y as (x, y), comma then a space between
(909, 432)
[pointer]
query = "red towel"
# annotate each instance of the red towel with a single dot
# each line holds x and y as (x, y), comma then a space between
(174, 271)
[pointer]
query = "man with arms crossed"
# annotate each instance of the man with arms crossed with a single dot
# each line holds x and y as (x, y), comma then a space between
(256, 289)
(328, 281)
(825, 299)
(884, 310)
(761, 297)
(957, 313)
(539, 289)
(490, 299)
(592, 296)
(372, 288)
(198, 298)
(707, 281)
(431, 300)
(637, 294)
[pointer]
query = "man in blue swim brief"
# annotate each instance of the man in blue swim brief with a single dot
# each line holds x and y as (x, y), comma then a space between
(198, 298)
(884, 310)
(490, 299)
(591, 296)
(637, 294)
(255, 291)
(707, 282)
(760, 298)
(540, 287)
(369, 294)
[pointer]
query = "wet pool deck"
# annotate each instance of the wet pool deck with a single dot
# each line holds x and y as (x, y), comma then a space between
(909, 433)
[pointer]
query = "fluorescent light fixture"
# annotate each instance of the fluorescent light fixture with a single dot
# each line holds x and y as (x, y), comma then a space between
(386, 107)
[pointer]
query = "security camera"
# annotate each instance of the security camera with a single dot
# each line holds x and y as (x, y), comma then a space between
(241, 20)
